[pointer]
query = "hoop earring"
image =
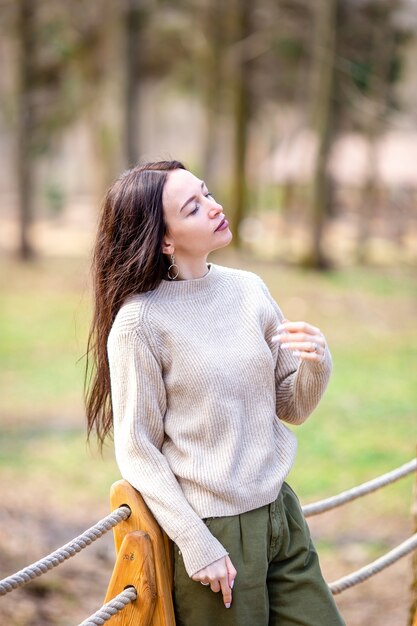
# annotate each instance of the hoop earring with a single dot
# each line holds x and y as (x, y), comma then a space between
(173, 264)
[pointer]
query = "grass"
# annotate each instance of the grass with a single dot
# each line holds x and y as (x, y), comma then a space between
(365, 425)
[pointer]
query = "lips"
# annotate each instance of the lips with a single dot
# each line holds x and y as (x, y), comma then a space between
(221, 224)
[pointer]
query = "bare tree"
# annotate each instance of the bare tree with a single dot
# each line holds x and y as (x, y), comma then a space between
(378, 94)
(322, 90)
(133, 28)
(25, 123)
(213, 25)
(101, 64)
(241, 115)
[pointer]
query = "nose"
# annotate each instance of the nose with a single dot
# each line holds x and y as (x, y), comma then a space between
(215, 209)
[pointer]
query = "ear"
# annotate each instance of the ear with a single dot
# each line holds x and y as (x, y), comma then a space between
(167, 246)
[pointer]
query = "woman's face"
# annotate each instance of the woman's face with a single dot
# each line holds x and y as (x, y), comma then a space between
(192, 216)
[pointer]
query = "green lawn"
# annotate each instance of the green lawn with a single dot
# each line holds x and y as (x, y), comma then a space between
(365, 425)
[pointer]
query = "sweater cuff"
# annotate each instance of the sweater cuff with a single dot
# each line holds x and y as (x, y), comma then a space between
(199, 548)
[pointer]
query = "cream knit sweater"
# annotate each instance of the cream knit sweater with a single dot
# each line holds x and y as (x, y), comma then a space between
(199, 395)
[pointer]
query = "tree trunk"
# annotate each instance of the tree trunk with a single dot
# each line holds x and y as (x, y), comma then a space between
(379, 91)
(212, 75)
(107, 120)
(133, 28)
(25, 125)
(368, 199)
(241, 121)
(322, 89)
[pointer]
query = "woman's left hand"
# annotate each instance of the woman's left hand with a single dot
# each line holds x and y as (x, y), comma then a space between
(305, 340)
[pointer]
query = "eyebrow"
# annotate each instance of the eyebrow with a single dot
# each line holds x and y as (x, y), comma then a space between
(192, 197)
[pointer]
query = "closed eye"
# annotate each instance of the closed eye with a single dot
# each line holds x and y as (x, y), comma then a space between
(197, 206)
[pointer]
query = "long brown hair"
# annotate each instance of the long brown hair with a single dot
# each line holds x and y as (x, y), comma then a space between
(127, 258)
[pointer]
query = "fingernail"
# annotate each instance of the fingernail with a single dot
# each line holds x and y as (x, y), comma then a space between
(285, 346)
(227, 605)
(232, 583)
(279, 337)
(296, 353)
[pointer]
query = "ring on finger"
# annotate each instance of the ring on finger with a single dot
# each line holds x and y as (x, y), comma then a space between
(205, 584)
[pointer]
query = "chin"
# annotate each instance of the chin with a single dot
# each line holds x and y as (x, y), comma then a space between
(226, 242)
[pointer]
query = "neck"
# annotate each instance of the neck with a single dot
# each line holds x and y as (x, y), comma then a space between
(191, 268)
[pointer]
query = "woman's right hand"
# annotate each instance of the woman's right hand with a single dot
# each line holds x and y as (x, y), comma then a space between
(220, 575)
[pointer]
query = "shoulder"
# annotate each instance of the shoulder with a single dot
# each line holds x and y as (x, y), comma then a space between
(241, 277)
(131, 331)
(253, 284)
(131, 316)
(245, 282)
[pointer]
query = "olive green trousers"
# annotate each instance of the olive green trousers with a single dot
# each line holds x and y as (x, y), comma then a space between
(278, 581)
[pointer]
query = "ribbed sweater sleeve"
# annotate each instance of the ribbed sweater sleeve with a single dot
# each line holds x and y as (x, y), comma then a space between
(299, 384)
(138, 404)
(299, 392)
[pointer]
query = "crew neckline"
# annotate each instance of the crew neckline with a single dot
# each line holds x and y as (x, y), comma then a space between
(189, 286)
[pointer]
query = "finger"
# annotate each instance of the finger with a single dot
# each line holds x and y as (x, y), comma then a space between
(297, 326)
(198, 578)
(215, 586)
(226, 591)
(231, 570)
(304, 346)
(301, 337)
(310, 356)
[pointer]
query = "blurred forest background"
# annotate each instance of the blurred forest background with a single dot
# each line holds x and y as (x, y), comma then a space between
(302, 119)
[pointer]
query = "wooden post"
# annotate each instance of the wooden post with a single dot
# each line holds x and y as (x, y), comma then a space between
(134, 567)
(142, 519)
(413, 607)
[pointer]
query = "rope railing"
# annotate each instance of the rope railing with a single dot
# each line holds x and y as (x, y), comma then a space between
(406, 547)
(65, 552)
(130, 594)
(361, 490)
(113, 607)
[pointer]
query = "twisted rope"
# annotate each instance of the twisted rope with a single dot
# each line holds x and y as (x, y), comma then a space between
(373, 568)
(111, 608)
(65, 552)
(361, 490)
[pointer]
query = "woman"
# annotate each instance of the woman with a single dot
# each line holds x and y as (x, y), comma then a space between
(196, 371)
